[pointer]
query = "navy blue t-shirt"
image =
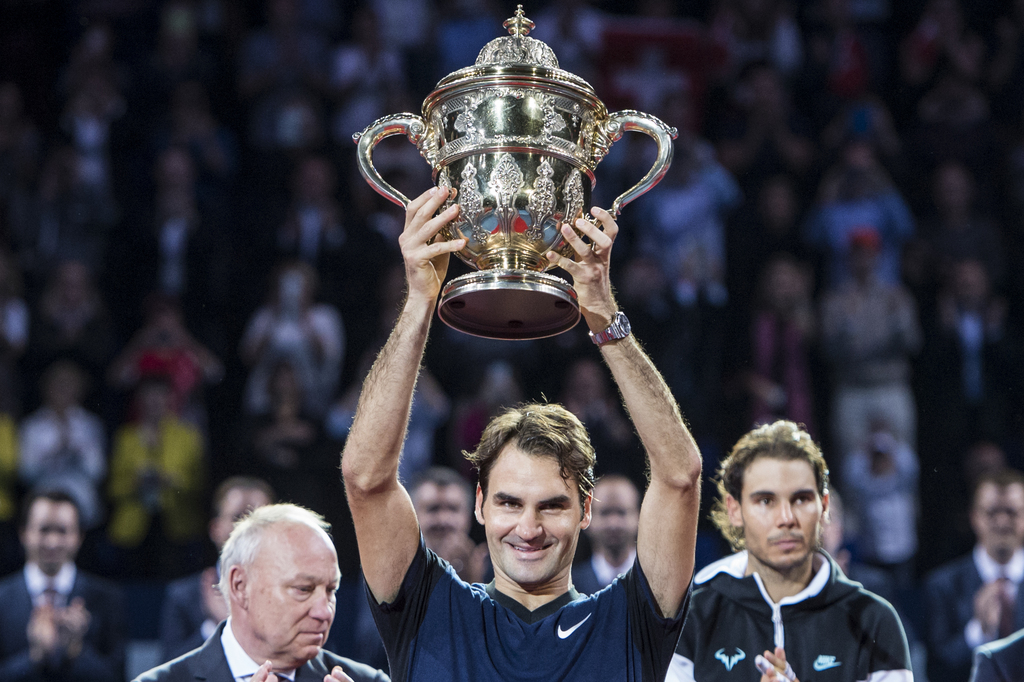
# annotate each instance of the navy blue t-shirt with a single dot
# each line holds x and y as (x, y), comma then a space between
(442, 628)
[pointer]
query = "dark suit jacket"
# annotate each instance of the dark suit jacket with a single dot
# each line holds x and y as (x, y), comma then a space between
(949, 599)
(208, 662)
(584, 579)
(102, 656)
(182, 617)
(1000, 661)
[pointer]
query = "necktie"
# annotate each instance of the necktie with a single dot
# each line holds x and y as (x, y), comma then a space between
(50, 595)
(1006, 608)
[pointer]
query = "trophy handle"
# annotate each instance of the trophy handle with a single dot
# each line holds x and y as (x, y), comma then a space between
(410, 125)
(630, 120)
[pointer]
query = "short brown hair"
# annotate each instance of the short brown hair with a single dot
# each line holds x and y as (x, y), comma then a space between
(55, 495)
(442, 477)
(1000, 478)
(543, 430)
(783, 440)
(240, 483)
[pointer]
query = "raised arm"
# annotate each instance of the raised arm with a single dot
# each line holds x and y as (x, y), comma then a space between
(385, 523)
(668, 516)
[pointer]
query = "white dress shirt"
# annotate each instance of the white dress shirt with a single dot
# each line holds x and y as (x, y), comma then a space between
(241, 664)
(605, 572)
(38, 582)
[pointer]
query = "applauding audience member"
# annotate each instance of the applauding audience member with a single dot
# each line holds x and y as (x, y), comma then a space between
(58, 622)
(63, 445)
(157, 478)
(977, 598)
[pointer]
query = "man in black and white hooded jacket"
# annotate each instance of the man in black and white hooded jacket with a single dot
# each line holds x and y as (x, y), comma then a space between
(781, 606)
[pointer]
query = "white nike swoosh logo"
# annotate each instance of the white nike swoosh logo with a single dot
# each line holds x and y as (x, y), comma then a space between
(819, 666)
(562, 634)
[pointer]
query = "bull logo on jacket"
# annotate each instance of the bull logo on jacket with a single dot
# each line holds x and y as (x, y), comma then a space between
(730, 661)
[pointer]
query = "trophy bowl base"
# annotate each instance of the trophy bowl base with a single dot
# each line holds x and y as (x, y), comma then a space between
(509, 304)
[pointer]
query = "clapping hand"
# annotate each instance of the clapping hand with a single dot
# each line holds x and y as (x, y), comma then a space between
(72, 624)
(337, 675)
(42, 632)
(774, 668)
(264, 674)
(53, 631)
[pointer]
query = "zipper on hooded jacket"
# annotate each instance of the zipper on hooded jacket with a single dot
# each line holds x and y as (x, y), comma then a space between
(779, 631)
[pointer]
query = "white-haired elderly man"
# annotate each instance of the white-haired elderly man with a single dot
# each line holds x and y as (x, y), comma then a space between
(279, 574)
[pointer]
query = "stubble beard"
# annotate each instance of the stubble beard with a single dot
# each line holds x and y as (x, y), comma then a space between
(790, 567)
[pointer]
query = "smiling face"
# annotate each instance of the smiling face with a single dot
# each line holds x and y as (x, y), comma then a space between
(533, 519)
(283, 604)
(781, 514)
(51, 537)
(997, 518)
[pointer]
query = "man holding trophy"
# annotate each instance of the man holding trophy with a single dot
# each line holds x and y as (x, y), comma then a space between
(513, 141)
(533, 498)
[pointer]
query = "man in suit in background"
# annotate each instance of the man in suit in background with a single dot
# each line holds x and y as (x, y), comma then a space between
(612, 534)
(443, 500)
(976, 599)
(279, 575)
(192, 605)
(1000, 661)
(58, 623)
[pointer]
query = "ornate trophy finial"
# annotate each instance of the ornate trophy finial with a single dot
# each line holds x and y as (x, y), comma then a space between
(516, 49)
(519, 25)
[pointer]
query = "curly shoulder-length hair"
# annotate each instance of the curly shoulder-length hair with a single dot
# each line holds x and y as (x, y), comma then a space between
(543, 430)
(783, 440)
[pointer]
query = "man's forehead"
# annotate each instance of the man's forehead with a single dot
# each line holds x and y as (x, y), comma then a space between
(306, 573)
(433, 492)
(515, 469)
(297, 540)
(991, 492)
(52, 512)
(780, 476)
(616, 492)
(299, 572)
(282, 564)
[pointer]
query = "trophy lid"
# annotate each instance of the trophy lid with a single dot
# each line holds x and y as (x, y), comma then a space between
(516, 49)
(517, 54)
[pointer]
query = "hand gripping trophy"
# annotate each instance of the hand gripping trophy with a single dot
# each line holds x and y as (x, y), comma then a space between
(519, 139)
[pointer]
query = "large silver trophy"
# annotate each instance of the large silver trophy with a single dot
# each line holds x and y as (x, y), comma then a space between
(519, 138)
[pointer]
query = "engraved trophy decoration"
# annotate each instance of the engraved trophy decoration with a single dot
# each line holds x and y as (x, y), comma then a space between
(519, 138)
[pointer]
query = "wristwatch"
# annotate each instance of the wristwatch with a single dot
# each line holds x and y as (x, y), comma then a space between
(618, 329)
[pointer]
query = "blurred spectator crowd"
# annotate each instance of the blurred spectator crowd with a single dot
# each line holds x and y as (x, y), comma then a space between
(194, 278)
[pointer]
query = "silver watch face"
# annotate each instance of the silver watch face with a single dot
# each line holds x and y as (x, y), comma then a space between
(618, 329)
(621, 325)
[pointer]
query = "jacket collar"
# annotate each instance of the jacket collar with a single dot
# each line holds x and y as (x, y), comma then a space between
(212, 664)
(828, 583)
